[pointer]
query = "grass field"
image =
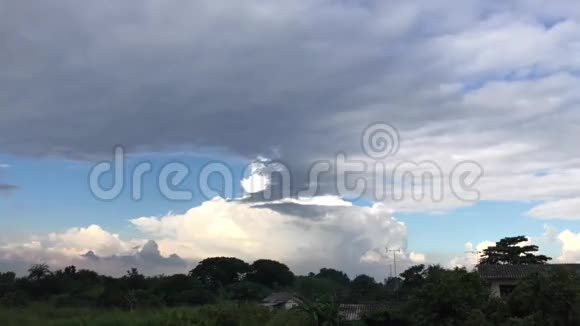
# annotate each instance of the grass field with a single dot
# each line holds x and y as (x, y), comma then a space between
(210, 315)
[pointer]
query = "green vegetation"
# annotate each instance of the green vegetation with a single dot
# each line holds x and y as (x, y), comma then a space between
(509, 251)
(207, 315)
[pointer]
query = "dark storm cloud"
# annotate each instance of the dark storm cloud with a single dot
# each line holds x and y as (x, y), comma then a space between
(145, 74)
(301, 79)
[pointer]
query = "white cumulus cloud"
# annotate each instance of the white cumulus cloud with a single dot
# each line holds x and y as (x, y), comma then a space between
(306, 236)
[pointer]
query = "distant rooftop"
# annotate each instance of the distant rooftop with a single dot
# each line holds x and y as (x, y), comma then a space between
(351, 312)
(508, 272)
(280, 298)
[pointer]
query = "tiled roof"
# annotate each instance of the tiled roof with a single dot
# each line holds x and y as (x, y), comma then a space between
(510, 272)
(350, 312)
(279, 298)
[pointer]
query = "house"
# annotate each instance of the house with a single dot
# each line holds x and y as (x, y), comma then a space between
(347, 312)
(354, 312)
(504, 278)
(285, 300)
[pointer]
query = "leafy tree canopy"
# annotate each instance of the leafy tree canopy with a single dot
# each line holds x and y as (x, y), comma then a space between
(313, 287)
(220, 271)
(413, 276)
(334, 275)
(38, 272)
(446, 297)
(364, 288)
(510, 251)
(270, 273)
(547, 299)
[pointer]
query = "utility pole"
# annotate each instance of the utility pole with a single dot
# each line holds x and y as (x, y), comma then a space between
(394, 251)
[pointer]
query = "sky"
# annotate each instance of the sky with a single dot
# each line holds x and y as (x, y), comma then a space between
(320, 133)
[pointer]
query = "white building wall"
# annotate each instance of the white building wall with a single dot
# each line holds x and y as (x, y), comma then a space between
(495, 292)
(495, 287)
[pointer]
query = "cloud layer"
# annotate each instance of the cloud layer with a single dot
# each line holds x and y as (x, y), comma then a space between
(495, 83)
(91, 247)
(490, 82)
(307, 235)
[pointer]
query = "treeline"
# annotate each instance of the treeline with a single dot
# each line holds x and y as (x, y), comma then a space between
(229, 288)
(212, 280)
(436, 296)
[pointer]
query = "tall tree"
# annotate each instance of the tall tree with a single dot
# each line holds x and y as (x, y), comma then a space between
(334, 275)
(220, 271)
(270, 273)
(134, 280)
(446, 297)
(7, 282)
(510, 251)
(313, 288)
(549, 299)
(364, 288)
(413, 276)
(38, 271)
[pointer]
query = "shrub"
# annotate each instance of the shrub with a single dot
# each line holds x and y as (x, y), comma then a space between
(14, 299)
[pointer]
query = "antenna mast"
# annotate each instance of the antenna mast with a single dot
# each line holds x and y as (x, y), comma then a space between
(394, 251)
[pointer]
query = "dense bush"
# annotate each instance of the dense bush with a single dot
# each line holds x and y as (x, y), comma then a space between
(552, 299)
(208, 315)
(14, 299)
(445, 297)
